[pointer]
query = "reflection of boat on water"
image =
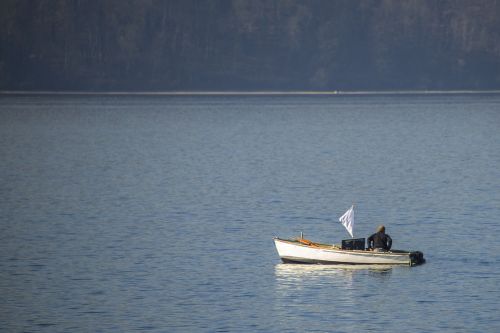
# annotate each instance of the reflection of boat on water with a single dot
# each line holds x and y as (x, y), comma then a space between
(307, 252)
(297, 276)
(291, 270)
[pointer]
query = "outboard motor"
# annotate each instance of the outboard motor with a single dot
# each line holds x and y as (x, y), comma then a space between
(416, 258)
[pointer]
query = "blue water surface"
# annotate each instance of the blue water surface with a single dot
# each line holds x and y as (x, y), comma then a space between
(156, 213)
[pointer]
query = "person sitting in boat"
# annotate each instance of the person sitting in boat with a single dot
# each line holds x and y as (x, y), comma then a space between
(380, 241)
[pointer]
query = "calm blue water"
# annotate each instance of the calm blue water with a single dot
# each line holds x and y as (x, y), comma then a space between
(122, 214)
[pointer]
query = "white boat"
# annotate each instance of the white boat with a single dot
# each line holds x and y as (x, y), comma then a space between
(306, 252)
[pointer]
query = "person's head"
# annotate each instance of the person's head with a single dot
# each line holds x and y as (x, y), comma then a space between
(381, 228)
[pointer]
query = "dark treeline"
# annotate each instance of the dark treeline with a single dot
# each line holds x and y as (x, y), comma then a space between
(143, 45)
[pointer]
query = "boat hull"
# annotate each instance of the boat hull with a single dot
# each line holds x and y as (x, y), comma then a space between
(292, 251)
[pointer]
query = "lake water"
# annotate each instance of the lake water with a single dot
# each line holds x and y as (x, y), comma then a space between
(156, 213)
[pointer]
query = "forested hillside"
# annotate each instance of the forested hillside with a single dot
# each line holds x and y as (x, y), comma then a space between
(161, 45)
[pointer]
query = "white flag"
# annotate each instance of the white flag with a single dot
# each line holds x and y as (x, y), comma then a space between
(348, 220)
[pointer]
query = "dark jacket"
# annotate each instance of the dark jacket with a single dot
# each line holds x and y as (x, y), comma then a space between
(380, 240)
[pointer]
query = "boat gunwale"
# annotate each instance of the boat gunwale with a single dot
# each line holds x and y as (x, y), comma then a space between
(333, 248)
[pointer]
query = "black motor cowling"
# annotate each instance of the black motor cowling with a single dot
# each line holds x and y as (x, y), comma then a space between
(416, 258)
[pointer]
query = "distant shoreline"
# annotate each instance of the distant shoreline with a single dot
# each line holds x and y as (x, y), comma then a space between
(246, 93)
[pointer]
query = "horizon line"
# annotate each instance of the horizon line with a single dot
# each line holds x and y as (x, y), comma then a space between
(250, 93)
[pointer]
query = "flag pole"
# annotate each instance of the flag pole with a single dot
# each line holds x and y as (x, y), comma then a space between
(353, 215)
